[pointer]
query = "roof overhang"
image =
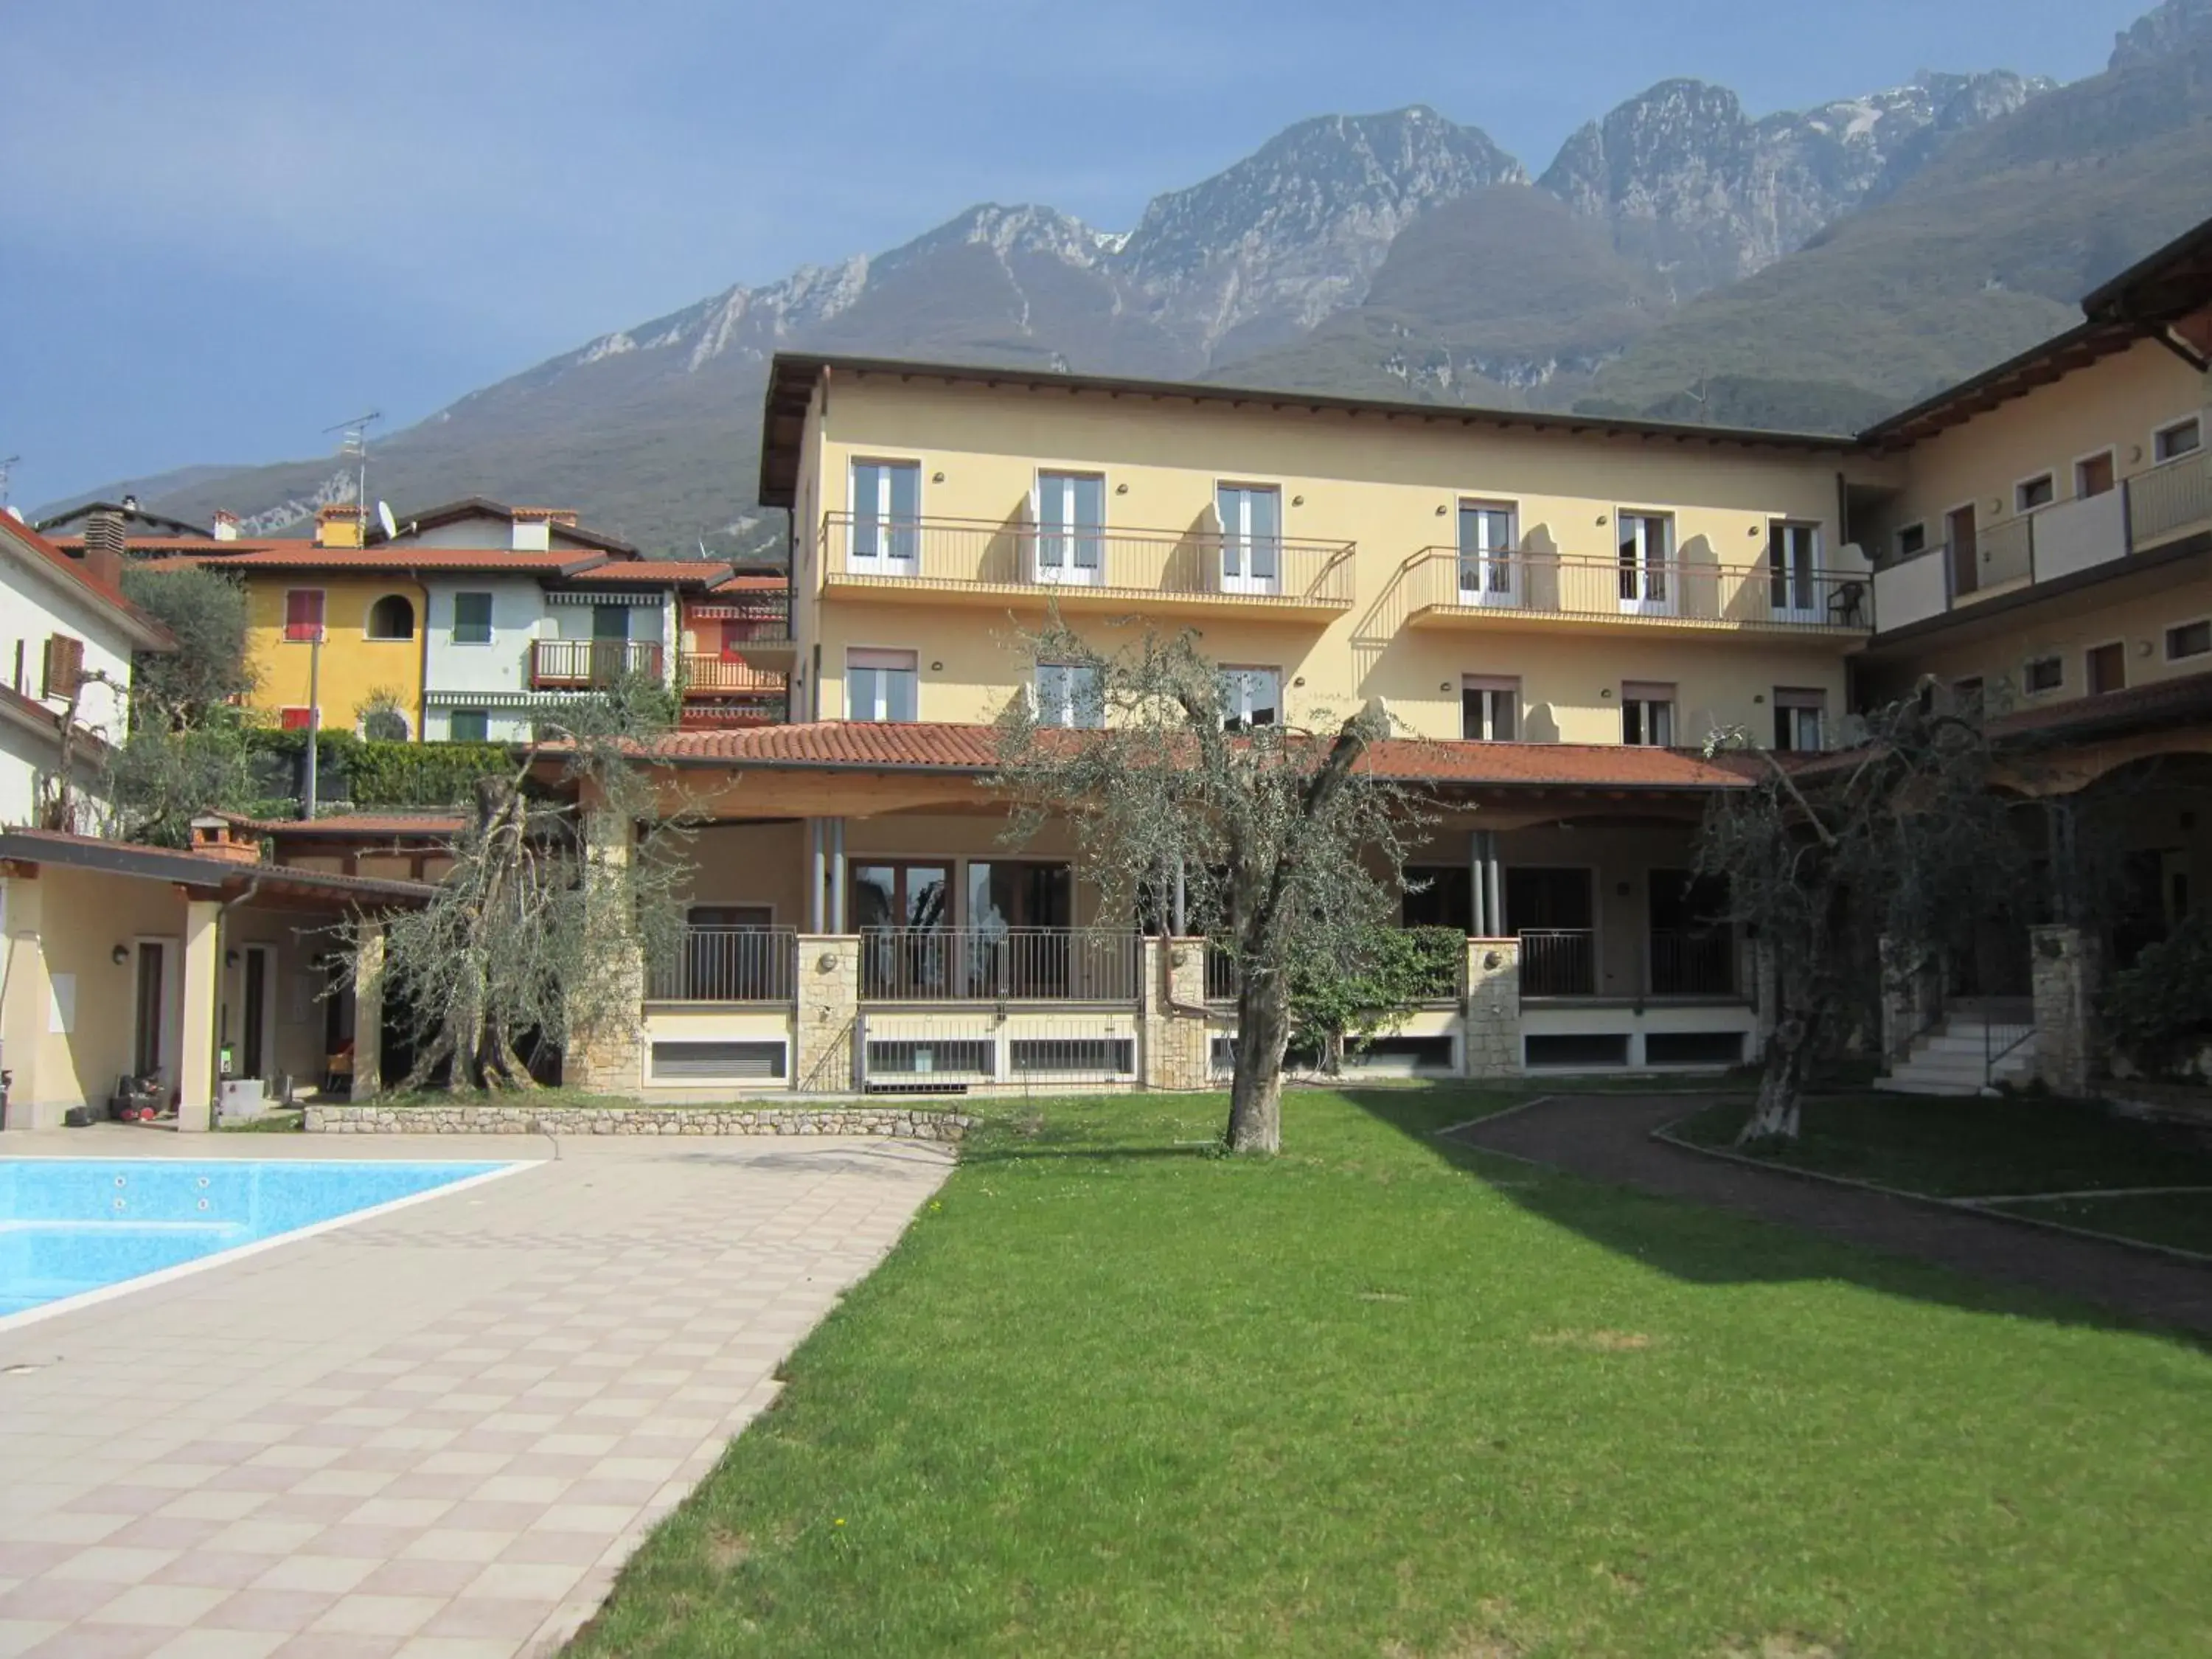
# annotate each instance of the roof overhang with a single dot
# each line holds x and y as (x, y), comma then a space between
(229, 880)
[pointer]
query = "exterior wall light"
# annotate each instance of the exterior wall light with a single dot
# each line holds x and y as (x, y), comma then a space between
(119, 954)
(1297, 500)
(937, 668)
(936, 477)
(1121, 489)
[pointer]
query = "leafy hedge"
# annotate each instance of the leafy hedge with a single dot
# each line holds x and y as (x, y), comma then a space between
(2158, 1011)
(372, 772)
(1406, 966)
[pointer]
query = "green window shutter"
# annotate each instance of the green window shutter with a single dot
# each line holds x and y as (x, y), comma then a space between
(472, 619)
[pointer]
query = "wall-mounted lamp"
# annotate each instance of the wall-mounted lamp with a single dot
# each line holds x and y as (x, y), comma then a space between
(1298, 681)
(1297, 500)
(1607, 692)
(936, 477)
(1446, 686)
(937, 668)
(119, 954)
(1121, 489)
(826, 962)
(2142, 648)
(2135, 454)
(1601, 518)
(1753, 532)
(1442, 510)
(230, 958)
(1759, 696)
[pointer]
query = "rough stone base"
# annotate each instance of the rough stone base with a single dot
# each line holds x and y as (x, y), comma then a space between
(519, 1120)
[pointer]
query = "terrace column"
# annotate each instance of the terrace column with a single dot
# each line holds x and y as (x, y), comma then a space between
(28, 992)
(368, 1015)
(603, 1055)
(1178, 1036)
(196, 1066)
(2069, 971)
(1490, 1016)
(826, 1018)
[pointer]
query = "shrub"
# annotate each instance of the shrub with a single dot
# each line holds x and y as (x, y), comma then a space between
(2159, 1012)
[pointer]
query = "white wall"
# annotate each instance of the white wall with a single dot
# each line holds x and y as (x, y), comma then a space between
(32, 607)
(519, 615)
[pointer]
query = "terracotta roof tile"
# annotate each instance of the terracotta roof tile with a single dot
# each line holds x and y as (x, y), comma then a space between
(346, 825)
(657, 573)
(306, 556)
(846, 745)
(38, 550)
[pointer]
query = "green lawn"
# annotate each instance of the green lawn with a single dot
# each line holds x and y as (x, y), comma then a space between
(1973, 1148)
(2181, 1220)
(1114, 1395)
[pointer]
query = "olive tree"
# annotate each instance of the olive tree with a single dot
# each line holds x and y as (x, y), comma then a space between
(563, 887)
(188, 751)
(1285, 849)
(1849, 866)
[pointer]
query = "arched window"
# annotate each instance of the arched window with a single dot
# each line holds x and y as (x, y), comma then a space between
(391, 617)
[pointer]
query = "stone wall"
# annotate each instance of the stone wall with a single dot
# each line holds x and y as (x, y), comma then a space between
(1178, 1039)
(1492, 1016)
(828, 1013)
(523, 1119)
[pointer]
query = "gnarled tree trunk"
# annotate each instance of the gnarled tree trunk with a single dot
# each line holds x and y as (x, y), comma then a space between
(1255, 1096)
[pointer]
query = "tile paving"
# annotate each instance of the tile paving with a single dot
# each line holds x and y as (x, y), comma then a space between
(434, 1433)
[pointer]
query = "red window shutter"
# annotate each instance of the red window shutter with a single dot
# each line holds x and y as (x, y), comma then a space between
(303, 614)
(297, 719)
(65, 666)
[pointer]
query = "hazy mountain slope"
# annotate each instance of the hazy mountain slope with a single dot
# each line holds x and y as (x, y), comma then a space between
(1979, 256)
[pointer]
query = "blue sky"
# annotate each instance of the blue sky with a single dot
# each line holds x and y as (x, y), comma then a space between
(231, 223)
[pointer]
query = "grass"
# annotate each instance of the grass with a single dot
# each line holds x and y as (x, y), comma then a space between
(1114, 1394)
(2181, 1221)
(1972, 1148)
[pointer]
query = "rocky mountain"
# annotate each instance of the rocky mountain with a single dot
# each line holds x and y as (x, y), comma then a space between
(1691, 186)
(1801, 267)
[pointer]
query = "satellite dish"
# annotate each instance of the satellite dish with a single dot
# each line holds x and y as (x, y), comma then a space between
(17, 514)
(384, 517)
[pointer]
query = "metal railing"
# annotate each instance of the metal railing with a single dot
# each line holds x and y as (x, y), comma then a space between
(979, 553)
(1558, 962)
(971, 964)
(1693, 962)
(1224, 979)
(1667, 591)
(2169, 498)
(728, 964)
(2008, 1024)
(569, 664)
(756, 619)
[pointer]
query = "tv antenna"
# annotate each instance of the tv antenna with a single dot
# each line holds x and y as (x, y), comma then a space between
(7, 469)
(353, 446)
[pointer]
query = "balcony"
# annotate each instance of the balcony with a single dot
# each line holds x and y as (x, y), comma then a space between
(2150, 511)
(938, 559)
(756, 628)
(591, 664)
(1558, 962)
(998, 965)
(1447, 588)
(728, 964)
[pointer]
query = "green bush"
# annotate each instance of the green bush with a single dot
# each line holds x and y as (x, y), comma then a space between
(423, 773)
(1406, 966)
(2159, 1012)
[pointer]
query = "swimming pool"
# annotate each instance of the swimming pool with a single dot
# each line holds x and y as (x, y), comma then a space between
(71, 1226)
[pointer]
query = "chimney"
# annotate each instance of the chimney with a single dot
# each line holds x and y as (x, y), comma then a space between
(219, 838)
(104, 545)
(338, 525)
(226, 525)
(533, 529)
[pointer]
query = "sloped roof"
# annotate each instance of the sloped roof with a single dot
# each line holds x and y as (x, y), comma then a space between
(202, 870)
(654, 573)
(483, 507)
(305, 556)
(37, 553)
(860, 745)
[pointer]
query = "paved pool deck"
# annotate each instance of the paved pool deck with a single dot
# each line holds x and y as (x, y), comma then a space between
(435, 1432)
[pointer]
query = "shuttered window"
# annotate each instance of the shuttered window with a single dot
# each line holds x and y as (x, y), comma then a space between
(717, 1062)
(65, 664)
(303, 615)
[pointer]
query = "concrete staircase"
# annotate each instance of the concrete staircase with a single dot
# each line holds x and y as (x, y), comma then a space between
(1953, 1059)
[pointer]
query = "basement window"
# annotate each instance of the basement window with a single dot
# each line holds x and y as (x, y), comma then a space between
(717, 1062)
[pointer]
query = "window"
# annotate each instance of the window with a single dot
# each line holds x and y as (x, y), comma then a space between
(63, 666)
(471, 619)
(1647, 714)
(296, 719)
(2039, 491)
(1490, 709)
(1966, 695)
(1250, 697)
(1070, 517)
(2045, 674)
(886, 514)
(610, 621)
(881, 685)
(2182, 438)
(469, 726)
(1647, 542)
(1911, 541)
(1251, 538)
(1793, 558)
(303, 615)
(1489, 532)
(2093, 476)
(2105, 668)
(1798, 714)
(2188, 639)
(391, 617)
(1068, 694)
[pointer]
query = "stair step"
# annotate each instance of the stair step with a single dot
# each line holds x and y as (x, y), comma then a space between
(1900, 1085)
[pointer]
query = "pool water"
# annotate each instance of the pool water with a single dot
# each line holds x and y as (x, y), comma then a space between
(69, 1224)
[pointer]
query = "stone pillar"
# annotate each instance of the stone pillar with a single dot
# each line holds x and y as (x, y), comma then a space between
(603, 1053)
(824, 1029)
(196, 1066)
(1183, 1056)
(26, 996)
(368, 1015)
(1911, 998)
(1490, 1008)
(2069, 970)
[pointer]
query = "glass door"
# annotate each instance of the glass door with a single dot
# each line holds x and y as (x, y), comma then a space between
(886, 518)
(903, 913)
(1488, 536)
(146, 1046)
(1071, 526)
(1647, 587)
(1793, 555)
(1251, 538)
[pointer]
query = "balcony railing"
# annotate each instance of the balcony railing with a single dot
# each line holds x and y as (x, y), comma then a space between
(706, 674)
(728, 964)
(2152, 507)
(1068, 564)
(998, 965)
(585, 664)
(1698, 962)
(1445, 580)
(1559, 962)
